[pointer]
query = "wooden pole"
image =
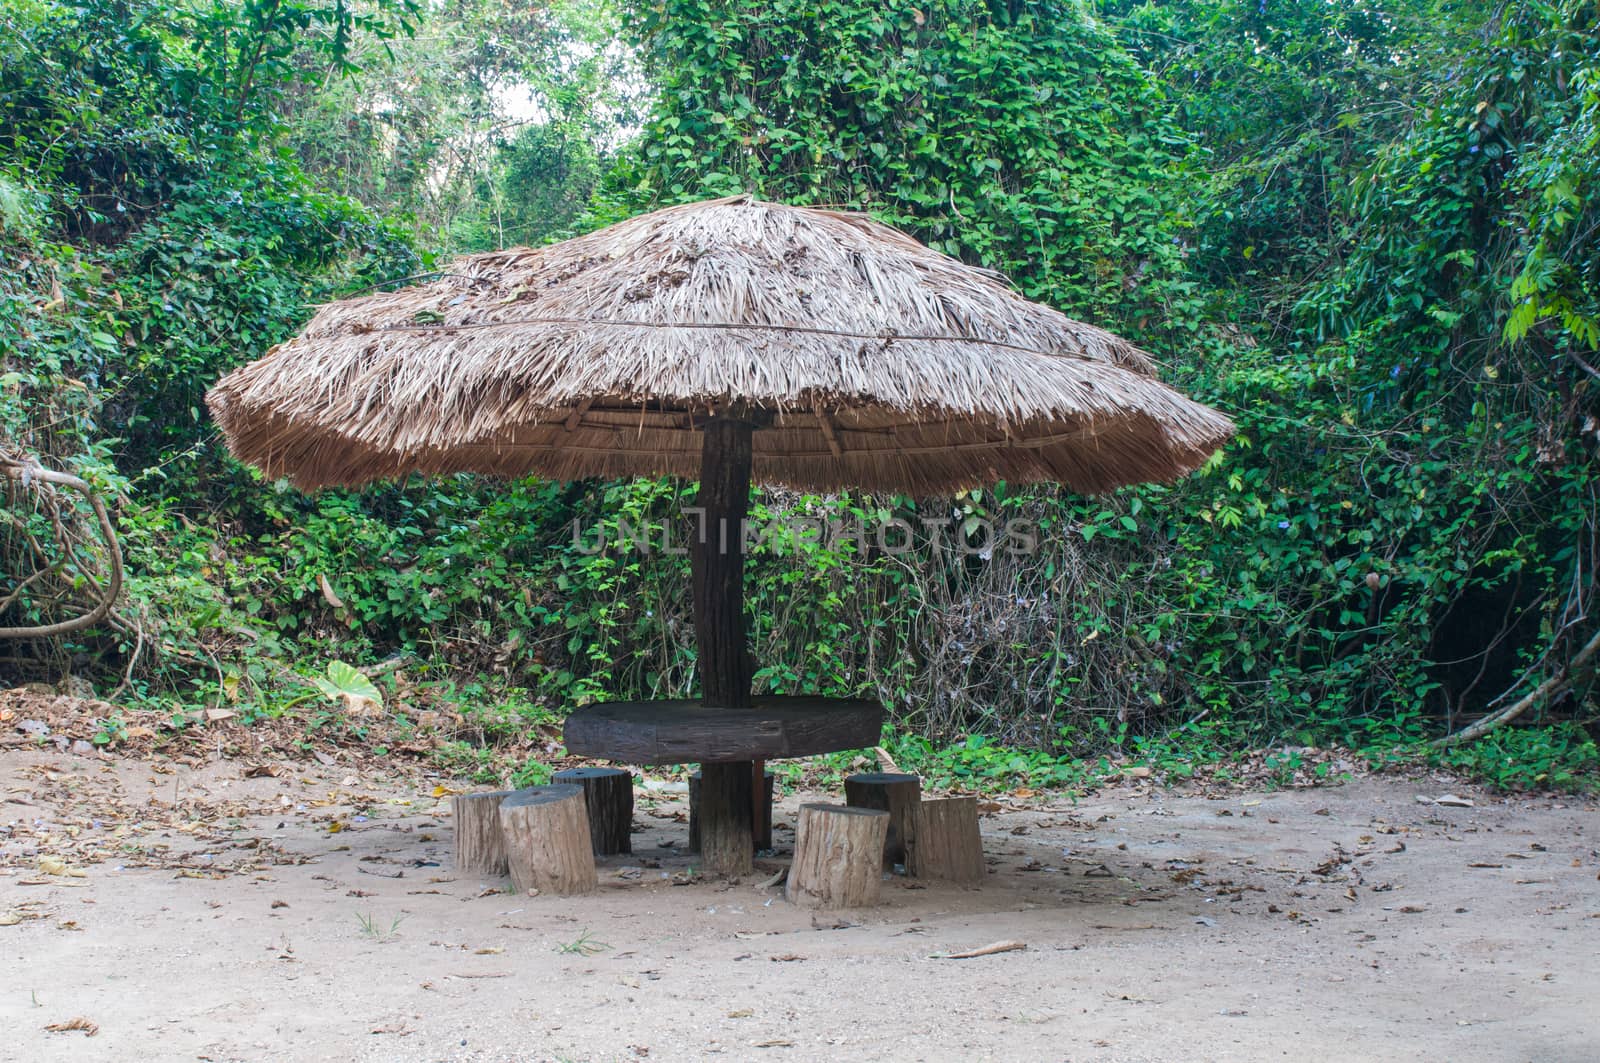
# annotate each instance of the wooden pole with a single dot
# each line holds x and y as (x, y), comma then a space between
(716, 558)
(725, 822)
(761, 810)
(761, 786)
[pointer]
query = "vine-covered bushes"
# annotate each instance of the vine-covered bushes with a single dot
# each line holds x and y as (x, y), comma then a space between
(1365, 230)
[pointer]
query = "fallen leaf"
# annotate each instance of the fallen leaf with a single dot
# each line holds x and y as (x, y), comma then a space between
(328, 593)
(79, 1023)
(215, 715)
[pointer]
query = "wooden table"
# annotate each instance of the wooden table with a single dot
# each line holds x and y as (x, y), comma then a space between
(687, 732)
(732, 745)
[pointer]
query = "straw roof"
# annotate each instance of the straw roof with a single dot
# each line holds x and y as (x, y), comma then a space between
(872, 360)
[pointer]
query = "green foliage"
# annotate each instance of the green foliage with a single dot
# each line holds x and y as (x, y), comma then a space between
(344, 683)
(1019, 136)
(1365, 229)
(1561, 757)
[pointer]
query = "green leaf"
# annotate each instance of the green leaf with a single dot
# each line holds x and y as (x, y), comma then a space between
(346, 682)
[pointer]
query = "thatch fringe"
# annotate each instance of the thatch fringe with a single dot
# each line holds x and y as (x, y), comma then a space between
(878, 362)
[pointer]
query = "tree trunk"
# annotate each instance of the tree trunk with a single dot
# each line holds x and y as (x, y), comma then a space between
(838, 857)
(726, 847)
(945, 842)
(546, 833)
(608, 793)
(476, 818)
(898, 795)
(761, 814)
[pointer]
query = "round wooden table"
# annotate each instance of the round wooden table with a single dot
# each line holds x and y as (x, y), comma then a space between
(732, 747)
(687, 732)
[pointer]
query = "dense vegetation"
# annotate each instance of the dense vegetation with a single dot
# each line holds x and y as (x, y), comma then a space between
(1366, 229)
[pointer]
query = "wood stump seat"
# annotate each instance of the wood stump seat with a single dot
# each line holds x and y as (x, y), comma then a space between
(608, 793)
(686, 732)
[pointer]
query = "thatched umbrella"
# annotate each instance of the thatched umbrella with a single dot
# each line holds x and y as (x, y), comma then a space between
(722, 340)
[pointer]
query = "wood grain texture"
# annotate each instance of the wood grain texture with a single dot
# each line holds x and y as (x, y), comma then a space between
(761, 815)
(476, 820)
(716, 560)
(726, 845)
(546, 832)
(838, 857)
(608, 793)
(688, 731)
(946, 843)
(894, 793)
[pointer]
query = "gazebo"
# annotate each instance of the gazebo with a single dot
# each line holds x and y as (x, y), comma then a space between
(730, 341)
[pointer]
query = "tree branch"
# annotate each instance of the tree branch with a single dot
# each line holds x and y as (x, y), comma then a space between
(1550, 686)
(28, 472)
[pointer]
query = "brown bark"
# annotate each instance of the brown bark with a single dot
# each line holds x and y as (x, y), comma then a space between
(946, 843)
(476, 818)
(608, 793)
(546, 835)
(838, 857)
(897, 794)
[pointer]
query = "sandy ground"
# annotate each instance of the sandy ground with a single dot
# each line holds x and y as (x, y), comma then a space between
(204, 914)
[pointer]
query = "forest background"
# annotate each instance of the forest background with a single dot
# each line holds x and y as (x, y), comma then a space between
(1369, 231)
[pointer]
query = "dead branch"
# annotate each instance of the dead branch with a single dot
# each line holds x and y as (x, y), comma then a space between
(29, 472)
(1551, 686)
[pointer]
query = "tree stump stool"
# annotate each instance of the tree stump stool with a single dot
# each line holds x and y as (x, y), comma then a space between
(479, 847)
(545, 830)
(760, 827)
(898, 795)
(945, 842)
(608, 793)
(838, 857)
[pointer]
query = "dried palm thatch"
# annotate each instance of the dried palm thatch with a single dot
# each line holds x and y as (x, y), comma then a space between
(870, 360)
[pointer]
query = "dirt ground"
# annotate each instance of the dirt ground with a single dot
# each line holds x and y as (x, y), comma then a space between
(197, 911)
